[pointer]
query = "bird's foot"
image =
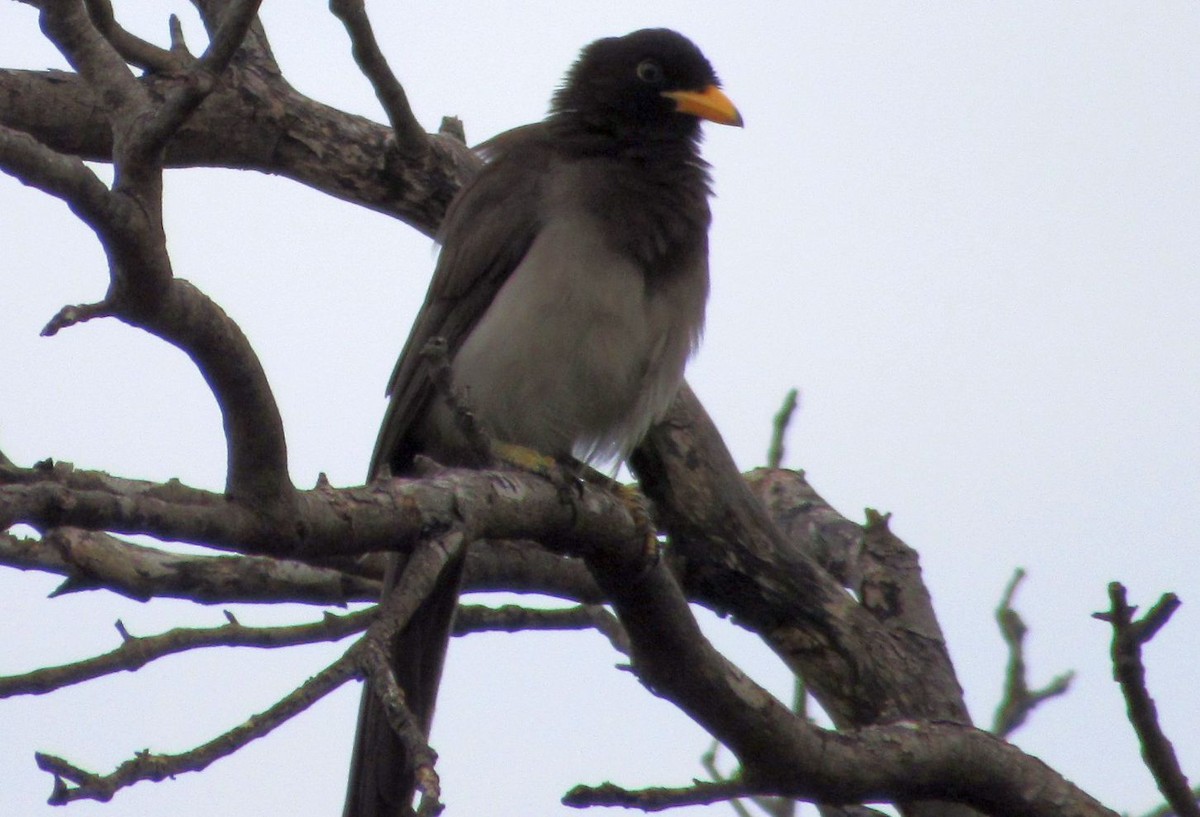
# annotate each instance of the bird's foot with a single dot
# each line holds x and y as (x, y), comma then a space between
(563, 476)
(638, 505)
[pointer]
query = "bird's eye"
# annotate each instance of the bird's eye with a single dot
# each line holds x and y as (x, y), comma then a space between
(650, 72)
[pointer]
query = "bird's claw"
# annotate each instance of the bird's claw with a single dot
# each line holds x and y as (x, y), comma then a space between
(639, 508)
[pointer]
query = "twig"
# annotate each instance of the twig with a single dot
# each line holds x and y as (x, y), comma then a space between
(70, 315)
(513, 618)
(410, 138)
(1018, 699)
(1129, 671)
(147, 766)
(779, 428)
(700, 793)
(135, 652)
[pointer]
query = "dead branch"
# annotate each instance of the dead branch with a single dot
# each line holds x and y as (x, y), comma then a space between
(372, 652)
(512, 618)
(1018, 700)
(411, 140)
(385, 515)
(91, 560)
(136, 652)
(1128, 637)
(700, 793)
(73, 783)
(779, 427)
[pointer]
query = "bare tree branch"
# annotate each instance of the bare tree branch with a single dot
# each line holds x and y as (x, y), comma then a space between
(783, 755)
(73, 783)
(135, 652)
(134, 50)
(1128, 637)
(1018, 700)
(410, 138)
(512, 618)
(779, 429)
(372, 653)
(91, 561)
(385, 515)
(700, 793)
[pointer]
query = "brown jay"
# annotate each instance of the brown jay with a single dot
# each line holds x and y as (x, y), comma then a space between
(570, 291)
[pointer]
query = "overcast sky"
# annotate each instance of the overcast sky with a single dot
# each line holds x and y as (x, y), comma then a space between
(966, 231)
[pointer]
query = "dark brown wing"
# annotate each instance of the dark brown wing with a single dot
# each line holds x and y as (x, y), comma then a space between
(485, 234)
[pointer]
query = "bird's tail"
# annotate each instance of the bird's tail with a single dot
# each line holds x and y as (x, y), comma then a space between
(381, 785)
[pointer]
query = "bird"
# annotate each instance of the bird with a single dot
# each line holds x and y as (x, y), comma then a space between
(568, 294)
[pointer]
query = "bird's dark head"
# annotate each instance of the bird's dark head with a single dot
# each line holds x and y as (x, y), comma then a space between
(653, 83)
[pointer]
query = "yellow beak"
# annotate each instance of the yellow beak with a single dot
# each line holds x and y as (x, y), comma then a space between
(710, 104)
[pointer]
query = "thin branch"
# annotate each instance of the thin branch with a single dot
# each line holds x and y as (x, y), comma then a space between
(1018, 700)
(98, 561)
(62, 176)
(1128, 637)
(410, 138)
(700, 793)
(372, 654)
(513, 618)
(69, 316)
(779, 428)
(134, 50)
(136, 652)
(73, 783)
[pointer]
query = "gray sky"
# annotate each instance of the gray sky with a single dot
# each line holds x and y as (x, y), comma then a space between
(966, 231)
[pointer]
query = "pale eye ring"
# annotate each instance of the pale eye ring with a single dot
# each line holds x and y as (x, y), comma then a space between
(650, 72)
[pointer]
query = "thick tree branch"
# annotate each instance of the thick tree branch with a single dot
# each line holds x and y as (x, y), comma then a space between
(128, 221)
(783, 755)
(864, 667)
(385, 515)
